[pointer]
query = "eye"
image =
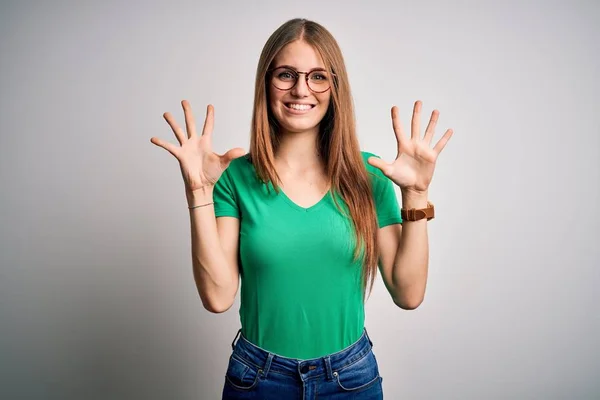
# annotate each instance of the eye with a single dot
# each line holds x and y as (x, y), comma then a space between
(318, 76)
(286, 75)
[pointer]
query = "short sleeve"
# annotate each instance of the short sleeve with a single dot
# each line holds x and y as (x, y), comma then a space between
(384, 196)
(224, 197)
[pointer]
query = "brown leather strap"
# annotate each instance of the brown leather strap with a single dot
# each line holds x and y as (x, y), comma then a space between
(415, 214)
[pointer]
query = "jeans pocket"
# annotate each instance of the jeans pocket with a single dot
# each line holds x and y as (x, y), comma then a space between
(241, 374)
(359, 375)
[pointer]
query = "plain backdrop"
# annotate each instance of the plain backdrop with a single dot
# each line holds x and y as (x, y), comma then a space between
(97, 299)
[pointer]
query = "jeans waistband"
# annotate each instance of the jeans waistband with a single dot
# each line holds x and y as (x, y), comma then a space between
(267, 361)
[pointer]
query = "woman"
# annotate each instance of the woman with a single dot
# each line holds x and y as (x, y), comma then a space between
(305, 219)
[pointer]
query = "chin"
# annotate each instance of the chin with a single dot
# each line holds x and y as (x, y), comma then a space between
(300, 123)
(299, 127)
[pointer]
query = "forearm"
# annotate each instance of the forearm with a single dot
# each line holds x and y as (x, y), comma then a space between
(412, 256)
(214, 278)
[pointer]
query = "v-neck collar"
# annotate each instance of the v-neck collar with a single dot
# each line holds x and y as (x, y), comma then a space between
(296, 206)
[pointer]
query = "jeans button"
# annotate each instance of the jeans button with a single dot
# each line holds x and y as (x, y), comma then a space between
(304, 369)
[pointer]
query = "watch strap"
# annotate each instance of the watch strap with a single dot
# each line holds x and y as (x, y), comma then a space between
(415, 214)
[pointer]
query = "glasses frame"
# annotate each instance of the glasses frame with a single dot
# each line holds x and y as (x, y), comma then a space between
(297, 73)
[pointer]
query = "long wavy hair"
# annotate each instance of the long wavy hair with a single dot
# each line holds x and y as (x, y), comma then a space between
(337, 142)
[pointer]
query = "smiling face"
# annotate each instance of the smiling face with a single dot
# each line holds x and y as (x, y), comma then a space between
(298, 109)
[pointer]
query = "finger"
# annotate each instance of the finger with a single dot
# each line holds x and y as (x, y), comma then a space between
(430, 130)
(415, 130)
(171, 148)
(209, 121)
(381, 164)
(190, 123)
(442, 142)
(176, 129)
(397, 125)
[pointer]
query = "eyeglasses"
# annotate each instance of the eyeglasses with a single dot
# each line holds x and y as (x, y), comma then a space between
(285, 78)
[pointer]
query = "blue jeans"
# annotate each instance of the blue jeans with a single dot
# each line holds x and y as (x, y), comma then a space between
(255, 373)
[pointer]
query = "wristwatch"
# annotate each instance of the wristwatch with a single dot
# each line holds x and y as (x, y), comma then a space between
(415, 214)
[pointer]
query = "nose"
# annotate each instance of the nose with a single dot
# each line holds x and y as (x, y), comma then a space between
(301, 89)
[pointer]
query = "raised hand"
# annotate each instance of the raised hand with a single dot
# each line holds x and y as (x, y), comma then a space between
(200, 166)
(413, 167)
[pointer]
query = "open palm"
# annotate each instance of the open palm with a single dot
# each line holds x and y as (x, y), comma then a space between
(415, 162)
(200, 166)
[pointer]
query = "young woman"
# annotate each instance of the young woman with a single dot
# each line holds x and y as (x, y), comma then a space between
(305, 218)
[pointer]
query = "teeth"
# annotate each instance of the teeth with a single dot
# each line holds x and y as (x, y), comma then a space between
(300, 107)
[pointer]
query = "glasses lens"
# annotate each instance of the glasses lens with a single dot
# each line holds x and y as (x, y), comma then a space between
(318, 81)
(285, 78)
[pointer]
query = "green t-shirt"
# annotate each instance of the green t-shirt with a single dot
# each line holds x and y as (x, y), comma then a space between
(301, 295)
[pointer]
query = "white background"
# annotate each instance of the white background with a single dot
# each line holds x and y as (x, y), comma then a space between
(97, 299)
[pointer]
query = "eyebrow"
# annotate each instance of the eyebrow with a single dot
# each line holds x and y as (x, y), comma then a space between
(295, 69)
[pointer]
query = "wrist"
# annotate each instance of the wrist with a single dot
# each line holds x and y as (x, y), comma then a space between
(414, 199)
(199, 196)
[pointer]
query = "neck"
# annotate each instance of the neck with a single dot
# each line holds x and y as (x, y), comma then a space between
(298, 151)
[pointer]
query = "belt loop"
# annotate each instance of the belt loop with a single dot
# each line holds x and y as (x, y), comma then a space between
(267, 366)
(367, 334)
(328, 371)
(235, 338)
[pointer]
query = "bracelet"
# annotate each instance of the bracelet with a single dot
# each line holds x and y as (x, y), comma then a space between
(201, 205)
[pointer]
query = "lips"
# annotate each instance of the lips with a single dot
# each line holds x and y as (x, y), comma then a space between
(302, 106)
(298, 111)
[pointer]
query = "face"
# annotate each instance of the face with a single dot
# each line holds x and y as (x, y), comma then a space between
(299, 109)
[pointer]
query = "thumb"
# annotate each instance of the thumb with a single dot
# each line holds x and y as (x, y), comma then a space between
(377, 162)
(383, 166)
(231, 155)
